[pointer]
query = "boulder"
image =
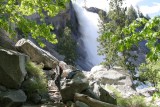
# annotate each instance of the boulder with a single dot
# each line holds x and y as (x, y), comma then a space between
(12, 98)
(91, 94)
(80, 104)
(116, 78)
(97, 92)
(35, 98)
(74, 85)
(63, 65)
(65, 73)
(2, 88)
(105, 96)
(12, 68)
(112, 76)
(67, 69)
(147, 91)
(37, 54)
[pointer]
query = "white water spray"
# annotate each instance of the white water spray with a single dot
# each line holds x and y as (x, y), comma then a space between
(88, 27)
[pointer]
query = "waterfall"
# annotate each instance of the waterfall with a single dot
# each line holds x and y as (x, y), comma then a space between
(88, 28)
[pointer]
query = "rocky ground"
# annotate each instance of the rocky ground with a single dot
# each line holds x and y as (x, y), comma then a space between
(67, 86)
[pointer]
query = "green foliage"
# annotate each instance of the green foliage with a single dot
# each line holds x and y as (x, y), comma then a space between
(37, 79)
(131, 15)
(111, 33)
(14, 13)
(150, 32)
(132, 101)
(156, 96)
(67, 46)
(150, 71)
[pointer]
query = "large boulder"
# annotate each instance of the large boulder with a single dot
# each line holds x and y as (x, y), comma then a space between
(12, 98)
(97, 92)
(105, 96)
(116, 78)
(76, 84)
(36, 54)
(12, 68)
(80, 104)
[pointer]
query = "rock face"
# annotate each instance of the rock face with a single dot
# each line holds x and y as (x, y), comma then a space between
(12, 68)
(36, 54)
(96, 10)
(12, 98)
(5, 41)
(73, 85)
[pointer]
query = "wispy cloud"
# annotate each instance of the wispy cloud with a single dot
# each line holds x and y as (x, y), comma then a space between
(155, 8)
(133, 2)
(146, 6)
(101, 4)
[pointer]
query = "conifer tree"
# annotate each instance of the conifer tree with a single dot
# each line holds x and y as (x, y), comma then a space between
(111, 32)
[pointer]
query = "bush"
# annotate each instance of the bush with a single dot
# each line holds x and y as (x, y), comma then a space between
(150, 71)
(155, 96)
(132, 101)
(36, 81)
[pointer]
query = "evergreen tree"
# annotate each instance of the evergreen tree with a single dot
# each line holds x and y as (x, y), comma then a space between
(140, 14)
(67, 46)
(131, 14)
(111, 33)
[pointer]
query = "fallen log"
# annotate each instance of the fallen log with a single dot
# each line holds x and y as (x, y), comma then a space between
(92, 102)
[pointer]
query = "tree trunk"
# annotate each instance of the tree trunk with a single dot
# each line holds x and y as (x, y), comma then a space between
(92, 102)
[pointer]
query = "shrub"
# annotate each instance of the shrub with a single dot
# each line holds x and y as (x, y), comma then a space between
(155, 96)
(150, 71)
(132, 101)
(36, 81)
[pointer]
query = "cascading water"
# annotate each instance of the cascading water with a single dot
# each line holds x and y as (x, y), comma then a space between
(88, 28)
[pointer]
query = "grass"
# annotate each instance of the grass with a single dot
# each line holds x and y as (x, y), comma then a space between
(36, 81)
(132, 101)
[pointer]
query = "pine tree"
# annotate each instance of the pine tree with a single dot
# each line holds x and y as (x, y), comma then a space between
(131, 14)
(111, 33)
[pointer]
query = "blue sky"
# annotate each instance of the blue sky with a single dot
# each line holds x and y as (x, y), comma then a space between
(150, 7)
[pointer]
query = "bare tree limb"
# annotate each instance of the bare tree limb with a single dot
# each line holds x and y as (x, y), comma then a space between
(92, 102)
